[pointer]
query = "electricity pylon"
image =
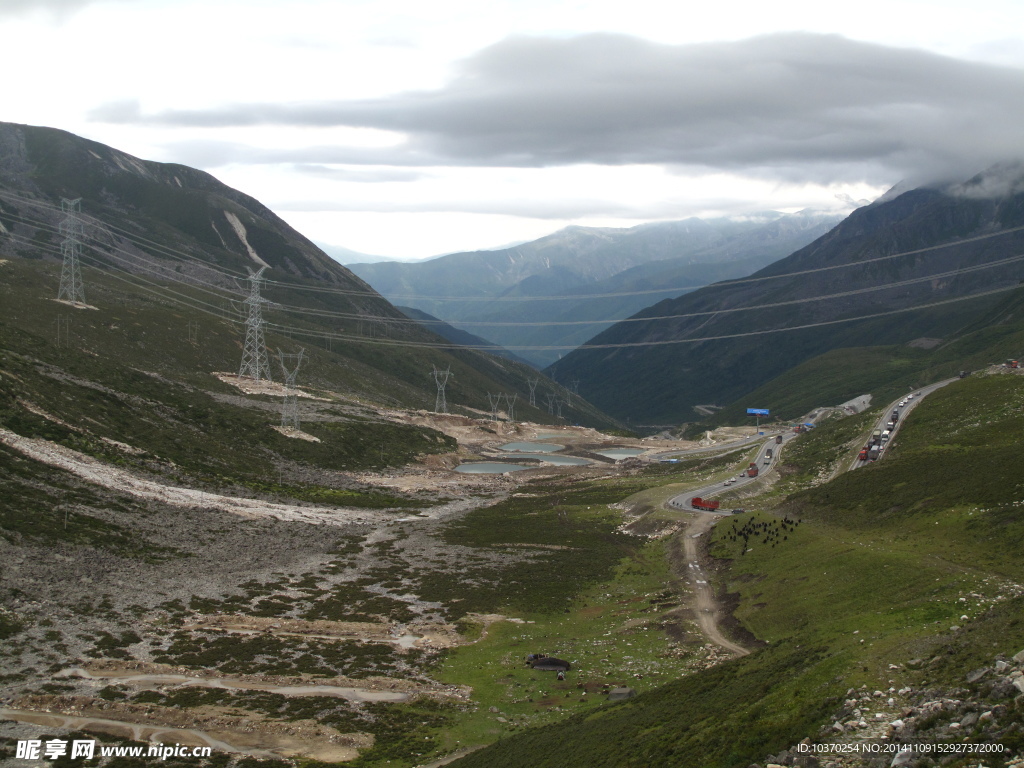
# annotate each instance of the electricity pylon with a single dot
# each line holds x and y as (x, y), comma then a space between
(71, 288)
(533, 391)
(441, 379)
(254, 355)
(290, 408)
(510, 405)
(495, 403)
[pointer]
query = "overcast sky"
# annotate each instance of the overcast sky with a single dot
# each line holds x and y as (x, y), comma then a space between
(410, 129)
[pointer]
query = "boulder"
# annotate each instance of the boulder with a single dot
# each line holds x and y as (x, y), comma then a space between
(977, 674)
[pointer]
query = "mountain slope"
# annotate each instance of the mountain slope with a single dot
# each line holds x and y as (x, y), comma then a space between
(179, 235)
(565, 277)
(924, 246)
(900, 578)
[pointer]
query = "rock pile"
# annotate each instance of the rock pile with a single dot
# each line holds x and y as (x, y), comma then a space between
(987, 715)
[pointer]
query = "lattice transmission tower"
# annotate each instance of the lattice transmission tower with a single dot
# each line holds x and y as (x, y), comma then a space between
(510, 405)
(73, 231)
(551, 397)
(495, 403)
(254, 355)
(533, 391)
(290, 365)
(441, 379)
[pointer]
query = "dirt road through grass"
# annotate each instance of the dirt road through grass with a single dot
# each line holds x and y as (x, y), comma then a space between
(705, 606)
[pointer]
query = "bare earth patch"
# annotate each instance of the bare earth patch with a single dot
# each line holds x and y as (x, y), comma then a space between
(296, 433)
(242, 732)
(113, 478)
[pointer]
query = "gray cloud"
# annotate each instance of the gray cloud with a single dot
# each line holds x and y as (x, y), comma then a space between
(794, 105)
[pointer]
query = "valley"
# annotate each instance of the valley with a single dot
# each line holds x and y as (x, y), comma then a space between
(403, 551)
(400, 635)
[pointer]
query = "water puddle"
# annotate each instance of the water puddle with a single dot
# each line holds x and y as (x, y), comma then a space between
(620, 453)
(526, 446)
(568, 461)
(490, 468)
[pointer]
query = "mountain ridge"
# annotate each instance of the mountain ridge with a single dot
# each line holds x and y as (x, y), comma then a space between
(493, 290)
(859, 283)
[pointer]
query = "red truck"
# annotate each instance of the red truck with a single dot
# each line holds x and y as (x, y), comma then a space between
(752, 470)
(706, 504)
(863, 455)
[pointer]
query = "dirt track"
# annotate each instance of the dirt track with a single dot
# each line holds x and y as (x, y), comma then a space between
(705, 606)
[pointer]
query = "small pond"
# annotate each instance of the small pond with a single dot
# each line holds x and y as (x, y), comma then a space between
(491, 468)
(538, 447)
(620, 453)
(575, 461)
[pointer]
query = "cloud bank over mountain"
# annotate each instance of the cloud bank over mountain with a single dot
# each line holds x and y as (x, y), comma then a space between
(792, 106)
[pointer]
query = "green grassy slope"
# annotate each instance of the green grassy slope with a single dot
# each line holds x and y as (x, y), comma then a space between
(127, 385)
(886, 372)
(885, 562)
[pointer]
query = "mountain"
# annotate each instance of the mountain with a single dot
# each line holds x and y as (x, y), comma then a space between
(562, 289)
(903, 268)
(187, 240)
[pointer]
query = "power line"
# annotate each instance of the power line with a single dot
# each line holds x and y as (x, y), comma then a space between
(218, 312)
(133, 238)
(362, 317)
(737, 281)
(375, 294)
(622, 345)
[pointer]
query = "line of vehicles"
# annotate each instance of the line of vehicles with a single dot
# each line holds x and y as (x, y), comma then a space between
(880, 437)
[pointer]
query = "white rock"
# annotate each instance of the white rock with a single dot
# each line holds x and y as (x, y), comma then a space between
(903, 757)
(1019, 657)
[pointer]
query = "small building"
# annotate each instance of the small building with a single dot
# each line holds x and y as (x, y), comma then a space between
(620, 694)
